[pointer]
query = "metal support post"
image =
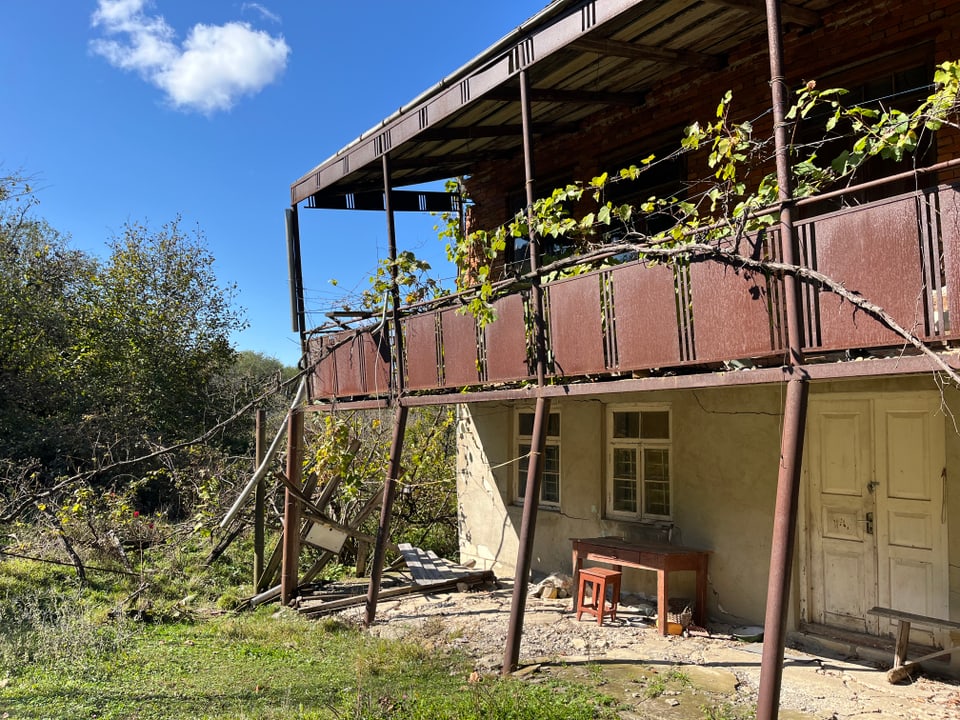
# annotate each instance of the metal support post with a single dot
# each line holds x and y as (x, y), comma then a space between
(795, 408)
(528, 524)
(383, 530)
(291, 509)
(259, 502)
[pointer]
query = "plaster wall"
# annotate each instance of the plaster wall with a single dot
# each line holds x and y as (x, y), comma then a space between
(723, 491)
(725, 463)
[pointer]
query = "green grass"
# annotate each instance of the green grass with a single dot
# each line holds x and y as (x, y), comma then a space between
(163, 646)
(253, 666)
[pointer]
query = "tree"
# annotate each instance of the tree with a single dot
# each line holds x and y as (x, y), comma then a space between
(42, 286)
(156, 335)
(354, 446)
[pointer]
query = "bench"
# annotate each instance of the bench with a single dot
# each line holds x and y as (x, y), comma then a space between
(904, 620)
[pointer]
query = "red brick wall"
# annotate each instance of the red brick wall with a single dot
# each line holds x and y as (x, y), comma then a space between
(851, 33)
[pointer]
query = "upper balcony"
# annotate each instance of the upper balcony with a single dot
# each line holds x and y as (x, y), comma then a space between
(697, 319)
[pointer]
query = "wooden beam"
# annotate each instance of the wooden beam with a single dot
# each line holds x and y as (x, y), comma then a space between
(570, 96)
(488, 131)
(450, 585)
(790, 13)
(635, 51)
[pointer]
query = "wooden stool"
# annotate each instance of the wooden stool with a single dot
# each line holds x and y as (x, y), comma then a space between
(599, 578)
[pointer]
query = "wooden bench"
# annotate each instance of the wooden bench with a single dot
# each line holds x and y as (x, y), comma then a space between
(904, 620)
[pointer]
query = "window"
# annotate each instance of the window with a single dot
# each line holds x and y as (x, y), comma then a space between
(639, 462)
(899, 79)
(550, 480)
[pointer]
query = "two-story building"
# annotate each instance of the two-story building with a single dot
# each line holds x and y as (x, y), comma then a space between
(666, 386)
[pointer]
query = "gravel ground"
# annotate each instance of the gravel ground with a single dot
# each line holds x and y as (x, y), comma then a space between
(718, 666)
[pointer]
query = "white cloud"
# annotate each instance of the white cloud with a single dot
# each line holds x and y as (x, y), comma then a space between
(273, 17)
(215, 65)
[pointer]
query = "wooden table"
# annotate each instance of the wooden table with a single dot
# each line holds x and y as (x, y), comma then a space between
(661, 557)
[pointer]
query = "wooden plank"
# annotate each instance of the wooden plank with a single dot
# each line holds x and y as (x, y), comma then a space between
(913, 617)
(372, 504)
(429, 568)
(334, 605)
(903, 640)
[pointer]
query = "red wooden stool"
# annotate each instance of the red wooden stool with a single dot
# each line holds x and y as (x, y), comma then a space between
(599, 578)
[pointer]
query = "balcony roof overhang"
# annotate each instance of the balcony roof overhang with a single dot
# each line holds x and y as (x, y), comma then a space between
(580, 56)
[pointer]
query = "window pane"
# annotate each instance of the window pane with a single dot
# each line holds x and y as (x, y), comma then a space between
(656, 481)
(525, 424)
(626, 424)
(625, 480)
(550, 483)
(656, 425)
(522, 466)
(550, 480)
(553, 425)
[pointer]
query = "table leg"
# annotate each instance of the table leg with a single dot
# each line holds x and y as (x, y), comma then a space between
(663, 604)
(700, 617)
(577, 563)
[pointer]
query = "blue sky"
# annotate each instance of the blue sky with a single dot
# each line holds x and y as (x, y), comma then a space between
(132, 110)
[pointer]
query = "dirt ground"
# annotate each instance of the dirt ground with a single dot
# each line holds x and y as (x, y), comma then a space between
(651, 676)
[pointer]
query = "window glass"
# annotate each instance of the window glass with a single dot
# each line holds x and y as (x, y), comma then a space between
(639, 463)
(626, 424)
(625, 480)
(550, 477)
(656, 425)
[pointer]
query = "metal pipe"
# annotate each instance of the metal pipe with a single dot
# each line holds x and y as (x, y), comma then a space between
(795, 406)
(295, 270)
(394, 272)
(782, 547)
(528, 524)
(291, 509)
(259, 502)
(264, 466)
(389, 493)
(539, 330)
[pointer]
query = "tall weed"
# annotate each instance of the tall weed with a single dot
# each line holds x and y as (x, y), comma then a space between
(52, 627)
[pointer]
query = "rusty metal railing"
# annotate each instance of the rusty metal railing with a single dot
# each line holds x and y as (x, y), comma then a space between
(902, 253)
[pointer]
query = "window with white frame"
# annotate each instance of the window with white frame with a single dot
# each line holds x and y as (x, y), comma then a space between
(550, 480)
(638, 461)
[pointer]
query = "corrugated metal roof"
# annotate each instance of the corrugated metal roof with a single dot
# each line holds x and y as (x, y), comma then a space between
(580, 56)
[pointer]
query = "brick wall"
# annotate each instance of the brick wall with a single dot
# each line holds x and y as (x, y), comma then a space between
(884, 32)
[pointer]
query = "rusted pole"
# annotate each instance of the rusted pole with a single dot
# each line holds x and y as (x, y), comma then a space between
(399, 365)
(291, 509)
(400, 420)
(389, 493)
(295, 269)
(259, 502)
(531, 499)
(795, 405)
(528, 523)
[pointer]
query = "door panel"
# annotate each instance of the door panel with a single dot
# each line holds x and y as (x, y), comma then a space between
(877, 531)
(842, 563)
(912, 540)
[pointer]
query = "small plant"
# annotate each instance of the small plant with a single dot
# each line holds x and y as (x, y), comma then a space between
(727, 711)
(655, 687)
(658, 684)
(678, 676)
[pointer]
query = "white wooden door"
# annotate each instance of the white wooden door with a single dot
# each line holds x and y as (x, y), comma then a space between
(875, 471)
(912, 565)
(843, 576)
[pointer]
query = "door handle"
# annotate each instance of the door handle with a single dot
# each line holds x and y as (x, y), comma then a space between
(872, 486)
(869, 528)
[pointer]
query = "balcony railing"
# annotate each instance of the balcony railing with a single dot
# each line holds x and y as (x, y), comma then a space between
(900, 253)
